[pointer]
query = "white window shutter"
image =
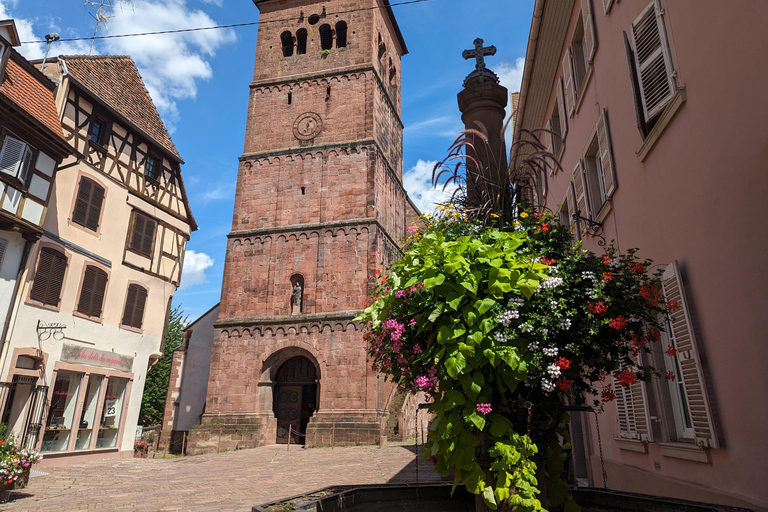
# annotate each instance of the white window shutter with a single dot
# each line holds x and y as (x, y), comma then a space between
(561, 108)
(3, 246)
(681, 330)
(570, 89)
(653, 60)
(12, 156)
(590, 38)
(606, 154)
(632, 413)
(549, 139)
(580, 190)
(570, 199)
(607, 6)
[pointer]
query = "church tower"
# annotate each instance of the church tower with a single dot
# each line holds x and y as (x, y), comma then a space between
(319, 206)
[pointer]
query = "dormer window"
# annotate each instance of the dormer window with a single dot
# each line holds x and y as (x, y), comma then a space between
(152, 168)
(16, 158)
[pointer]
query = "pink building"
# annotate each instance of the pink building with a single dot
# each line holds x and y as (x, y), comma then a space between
(661, 110)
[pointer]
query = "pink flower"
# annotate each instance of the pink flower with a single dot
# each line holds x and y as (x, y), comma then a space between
(412, 229)
(484, 408)
(423, 381)
(417, 349)
(412, 323)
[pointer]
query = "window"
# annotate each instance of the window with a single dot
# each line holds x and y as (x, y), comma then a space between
(326, 37)
(632, 412)
(392, 73)
(92, 292)
(287, 41)
(594, 178)
(567, 209)
(111, 411)
(301, 41)
(90, 196)
(49, 278)
(152, 167)
(143, 234)
(133, 314)
(578, 56)
(16, 158)
(680, 418)
(98, 131)
(650, 65)
(61, 413)
(341, 34)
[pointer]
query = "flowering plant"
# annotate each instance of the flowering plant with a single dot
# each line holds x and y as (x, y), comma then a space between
(141, 445)
(14, 461)
(507, 329)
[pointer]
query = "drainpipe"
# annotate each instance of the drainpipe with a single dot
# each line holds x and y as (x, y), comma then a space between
(12, 305)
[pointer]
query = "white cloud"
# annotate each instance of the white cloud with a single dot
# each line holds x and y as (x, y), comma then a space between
(510, 77)
(195, 264)
(170, 64)
(221, 191)
(217, 3)
(34, 29)
(442, 126)
(418, 182)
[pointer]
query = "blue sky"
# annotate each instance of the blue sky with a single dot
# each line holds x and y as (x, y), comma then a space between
(199, 82)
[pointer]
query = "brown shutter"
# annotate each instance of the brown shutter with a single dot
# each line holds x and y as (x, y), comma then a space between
(94, 207)
(561, 107)
(99, 287)
(40, 285)
(634, 80)
(58, 269)
(580, 190)
(681, 329)
(149, 236)
(606, 154)
(137, 237)
(570, 91)
(130, 305)
(86, 292)
(653, 61)
(590, 39)
(141, 300)
(82, 201)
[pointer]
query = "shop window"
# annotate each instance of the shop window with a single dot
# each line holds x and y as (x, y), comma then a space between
(16, 159)
(61, 414)
(326, 37)
(135, 301)
(90, 196)
(49, 278)
(341, 34)
(111, 413)
(92, 292)
(88, 415)
(301, 41)
(142, 235)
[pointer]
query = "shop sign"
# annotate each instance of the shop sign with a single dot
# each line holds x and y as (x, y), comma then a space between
(80, 355)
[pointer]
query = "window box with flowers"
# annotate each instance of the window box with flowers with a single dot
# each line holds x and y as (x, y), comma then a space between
(15, 464)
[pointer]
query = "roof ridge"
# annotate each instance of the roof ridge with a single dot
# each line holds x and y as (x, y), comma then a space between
(95, 57)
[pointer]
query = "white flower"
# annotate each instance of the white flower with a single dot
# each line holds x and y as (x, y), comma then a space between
(550, 282)
(553, 303)
(588, 275)
(565, 324)
(553, 370)
(517, 302)
(502, 337)
(553, 269)
(547, 385)
(551, 352)
(507, 317)
(526, 327)
(533, 346)
(545, 331)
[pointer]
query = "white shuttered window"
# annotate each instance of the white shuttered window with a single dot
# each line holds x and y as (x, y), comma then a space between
(653, 60)
(16, 158)
(632, 412)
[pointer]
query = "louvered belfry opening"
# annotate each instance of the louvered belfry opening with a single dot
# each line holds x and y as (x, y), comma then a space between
(92, 292)
(341, 34)
(301, 41)
(326, 37)
(135, 301)
(287, 41)
(49, 278)
(90, 196)
(143, 234)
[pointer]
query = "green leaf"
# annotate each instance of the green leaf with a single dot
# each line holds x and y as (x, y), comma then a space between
(454, 263)
(436, 312)
(474, 479)
(476, 419)
(454, 300)
(452, 398)
(455, 364)
(489, 498)
(484, 305)
(499, 425)
(467, 350)
(434, 281)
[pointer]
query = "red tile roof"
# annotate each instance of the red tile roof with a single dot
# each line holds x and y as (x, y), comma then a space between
(30, 94)
(115, 80)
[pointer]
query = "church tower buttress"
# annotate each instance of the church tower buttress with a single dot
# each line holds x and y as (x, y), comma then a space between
(319, 206)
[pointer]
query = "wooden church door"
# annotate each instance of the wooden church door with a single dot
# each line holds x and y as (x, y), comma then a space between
(295, 399)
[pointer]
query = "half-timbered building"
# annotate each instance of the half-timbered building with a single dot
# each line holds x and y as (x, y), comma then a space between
(97, 287)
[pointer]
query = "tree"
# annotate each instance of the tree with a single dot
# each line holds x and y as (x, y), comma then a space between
(156, 385)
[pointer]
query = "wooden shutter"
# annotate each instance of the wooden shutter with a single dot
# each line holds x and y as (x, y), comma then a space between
(653, 61)
(605, 153)
(12, 156)
(149, 236)
(681, 330)
(90, 196)
(634, 81)
(26, 166)
(130, 305)
(49, 278)
(143, 234)
(570, 199)
(580, 190)
(3, 247)
(570, 90)
(138, 312)
(549, 139)
(590, 38)
(92, 291)
(561, 107)
(632, 413)
(607, 6)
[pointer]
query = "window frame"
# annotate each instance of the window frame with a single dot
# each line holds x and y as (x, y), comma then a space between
(286, 45)
(325, 32)
(342, 31)
(302, 38)
(156, 168)
(138, 286)
(81, 289)
(45, 246)
(131, 233)
(103, 138)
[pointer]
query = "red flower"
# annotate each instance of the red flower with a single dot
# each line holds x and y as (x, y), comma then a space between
(564, 384)
(653, 335)
(606, 260)
(673, 305)
(651, 294)
(547, 261)
(671, 350)
(366, 303)
(599, 308)
(670, 375)
(608, 395)
(636, 267)
(618, 323)
(626, 377)
(563, 363)
(607, 276)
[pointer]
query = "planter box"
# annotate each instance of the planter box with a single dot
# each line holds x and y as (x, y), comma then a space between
(19, 483)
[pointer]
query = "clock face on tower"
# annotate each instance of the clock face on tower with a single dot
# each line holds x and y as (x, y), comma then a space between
(307, 126)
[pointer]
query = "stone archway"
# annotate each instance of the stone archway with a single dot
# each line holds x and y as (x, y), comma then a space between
(295, 398)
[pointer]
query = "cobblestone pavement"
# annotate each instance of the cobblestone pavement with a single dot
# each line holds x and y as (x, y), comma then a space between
(233, 481)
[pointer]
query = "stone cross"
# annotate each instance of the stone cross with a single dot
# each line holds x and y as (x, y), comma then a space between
(479, 54)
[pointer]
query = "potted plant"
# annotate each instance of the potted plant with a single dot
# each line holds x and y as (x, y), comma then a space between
(15, 464)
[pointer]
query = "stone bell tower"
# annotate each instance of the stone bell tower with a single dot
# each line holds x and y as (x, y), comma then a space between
(319, 206)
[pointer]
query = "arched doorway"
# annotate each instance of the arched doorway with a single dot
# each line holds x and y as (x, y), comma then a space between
(295, 398)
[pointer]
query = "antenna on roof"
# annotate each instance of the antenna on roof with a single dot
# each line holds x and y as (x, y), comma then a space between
(105, 12)
(49, 38)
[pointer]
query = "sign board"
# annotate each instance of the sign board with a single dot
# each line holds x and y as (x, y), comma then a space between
(81, 355)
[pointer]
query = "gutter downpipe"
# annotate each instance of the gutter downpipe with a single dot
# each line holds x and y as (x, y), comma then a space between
(533, 39)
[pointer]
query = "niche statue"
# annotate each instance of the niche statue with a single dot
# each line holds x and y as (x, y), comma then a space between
(296, 299)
